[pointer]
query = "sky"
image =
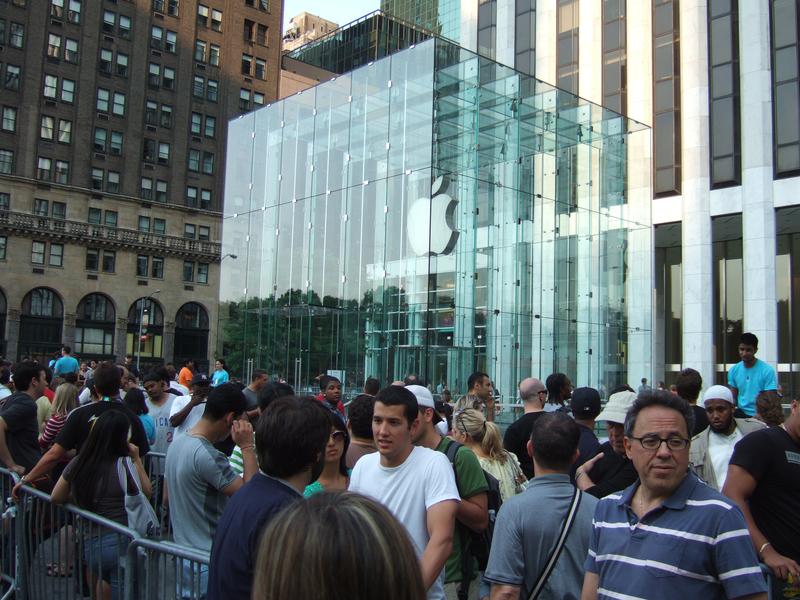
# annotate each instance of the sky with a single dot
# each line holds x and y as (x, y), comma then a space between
(338, 11)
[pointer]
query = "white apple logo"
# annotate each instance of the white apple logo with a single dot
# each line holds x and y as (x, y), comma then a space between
(430, 224)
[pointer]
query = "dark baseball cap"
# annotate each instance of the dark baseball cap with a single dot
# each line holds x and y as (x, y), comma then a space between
(200, 379)
(585, 403)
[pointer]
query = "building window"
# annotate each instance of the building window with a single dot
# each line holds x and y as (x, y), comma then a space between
(249, 31)
(146, 189)
(614, 56)
(208, 163)
(11, 80)
(62, 171)
(103, 97)
(64, 131)
(92, 259)
(258, 99)
(211, 126)
(119, 104)
(154, 75)
(194, 161)
(50, 86)
(6, 162)
(216, 19)
(666, 98)
(3, 245)
(109, 261)
(9, 121)
(37, 252)
(67, 90)
(203, 233)
(46, 130)
(113, 182)
(142, 264)
(487, 27)
(16, 35)
(5, 201)
(261, 69)
(116, 143)
(159, 226)
(212, 90)
(161, 191)
(244, 99)
(188, 270)
(59, 210)
(723, 64)
(110, 218)
(44, 169)
(151, 112)
(171, 43)
(156, 37)
(200, 48)
(202, 273)
(169, 78)
(166, 116)
(56, 258)
(71, 50)
(100, 138)
(157, 271)
(785, 88)
(53, 46)
(163, 153)
(57, 8)
(261, 34)
(106, 60)
(124, 27)
(196, 123)
(98, 175)
(109, 21)
(41, 207)
(95, 216)
(213, 55)
(202, 15)
(525, 36)
(122, 64)
(198, 86)
(144, 224)
(189, 231)
(191, 196)
(205, 199)
(247, 64)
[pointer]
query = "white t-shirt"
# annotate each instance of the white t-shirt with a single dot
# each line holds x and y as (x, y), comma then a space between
(177, 386)
(441, 427)
(160, 415)
(191, 419)
(408, 491)
(720, 450)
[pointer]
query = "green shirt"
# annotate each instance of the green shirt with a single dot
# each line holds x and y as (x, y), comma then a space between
(471, 481)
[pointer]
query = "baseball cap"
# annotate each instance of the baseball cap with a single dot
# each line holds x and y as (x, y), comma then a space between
(200, 379)
(718, 392)
(585, 403)
(617, 407)
(424, 399)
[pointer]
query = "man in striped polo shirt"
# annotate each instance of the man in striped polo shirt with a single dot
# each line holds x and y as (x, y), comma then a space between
(669, 535)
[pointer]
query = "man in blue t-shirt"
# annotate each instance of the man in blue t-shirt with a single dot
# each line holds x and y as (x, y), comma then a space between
(290, 440)
(66, 364)
(750, 376)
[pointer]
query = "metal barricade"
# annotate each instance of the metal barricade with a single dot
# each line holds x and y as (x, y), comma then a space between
(169, 570)
(154, 464)
(8, 549)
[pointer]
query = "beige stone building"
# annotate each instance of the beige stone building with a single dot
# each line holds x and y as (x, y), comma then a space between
(112, 152)
(304, 28)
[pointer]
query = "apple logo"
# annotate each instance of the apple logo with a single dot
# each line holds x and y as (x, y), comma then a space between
(430, 223)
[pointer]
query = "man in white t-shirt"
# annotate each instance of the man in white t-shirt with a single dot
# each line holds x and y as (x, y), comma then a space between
(712, 448)
(416, 484)
(159, 403)
(187, 411)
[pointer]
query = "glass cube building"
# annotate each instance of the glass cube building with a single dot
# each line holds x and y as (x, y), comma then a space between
(437, 213)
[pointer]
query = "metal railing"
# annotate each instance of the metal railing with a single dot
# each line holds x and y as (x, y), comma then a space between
(61, 551)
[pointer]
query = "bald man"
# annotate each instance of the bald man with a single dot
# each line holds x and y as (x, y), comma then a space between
(534, 394)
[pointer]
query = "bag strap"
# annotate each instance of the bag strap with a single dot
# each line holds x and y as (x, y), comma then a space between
(556, 552)
(127, 473)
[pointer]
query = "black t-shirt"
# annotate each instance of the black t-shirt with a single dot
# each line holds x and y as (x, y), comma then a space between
(772, 457)
(517, 437)
(588, 446)
(612, 473)
(700, 419)
(235, 548)
(79, 423)
(22, 433)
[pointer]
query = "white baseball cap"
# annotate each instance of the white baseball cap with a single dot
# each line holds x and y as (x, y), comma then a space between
(718, 392)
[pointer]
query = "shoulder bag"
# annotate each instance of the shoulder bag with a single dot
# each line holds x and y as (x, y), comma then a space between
(141, 516)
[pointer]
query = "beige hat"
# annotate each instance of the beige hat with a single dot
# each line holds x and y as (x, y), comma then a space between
(617, 407)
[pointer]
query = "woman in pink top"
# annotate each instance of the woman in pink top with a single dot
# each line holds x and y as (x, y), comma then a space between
(65, 400)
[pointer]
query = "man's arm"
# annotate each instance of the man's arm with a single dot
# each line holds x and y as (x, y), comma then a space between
(474, 512)
(739, 487)
(505, 592)
(591, 581)
(180, 416)
(441, 522)
(242, 434)
(5, 454)
(42, 468)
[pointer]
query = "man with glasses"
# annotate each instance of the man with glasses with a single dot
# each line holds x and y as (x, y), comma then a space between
(533, 394)
(668, 535)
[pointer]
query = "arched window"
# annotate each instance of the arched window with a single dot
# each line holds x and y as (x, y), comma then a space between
(191, 335)
(94, 327)
(145, 339)
(40, 324)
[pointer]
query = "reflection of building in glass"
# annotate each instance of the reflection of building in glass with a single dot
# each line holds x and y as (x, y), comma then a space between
(412, 216)
(443, 17)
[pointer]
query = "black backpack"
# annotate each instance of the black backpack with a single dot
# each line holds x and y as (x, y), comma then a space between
(478, 544)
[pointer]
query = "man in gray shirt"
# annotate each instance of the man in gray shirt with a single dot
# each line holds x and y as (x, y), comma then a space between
(529, 524)
(258, 380)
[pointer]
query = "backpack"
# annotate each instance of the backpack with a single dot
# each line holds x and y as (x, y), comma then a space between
(478, 544)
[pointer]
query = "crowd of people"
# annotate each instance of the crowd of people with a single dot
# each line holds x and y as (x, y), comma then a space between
(691, 492)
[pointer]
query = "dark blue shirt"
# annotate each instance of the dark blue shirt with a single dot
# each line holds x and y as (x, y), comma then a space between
(235, 548)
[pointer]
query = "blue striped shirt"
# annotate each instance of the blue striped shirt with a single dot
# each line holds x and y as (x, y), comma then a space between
(695, 545)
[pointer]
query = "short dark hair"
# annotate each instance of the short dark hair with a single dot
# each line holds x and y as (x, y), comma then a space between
(476, 377)
(412, 379)
(66, 349)
(659, 398)
(157, 375)
(224, 399)
(749, 339)
(107, 379)
(554, 384)
(372, 386)
(291, 435)
(187, 361)
(360, 412)
(257, 373)
(5, 375)
(134, 399)
(555, 438)
(222, 362)
(70, 378)
(621, 388)
(25, 372)
(271, 392)
(395, 395)
(689, 383)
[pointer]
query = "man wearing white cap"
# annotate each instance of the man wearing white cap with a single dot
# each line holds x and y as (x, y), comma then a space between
(711, 450)
(610, 470)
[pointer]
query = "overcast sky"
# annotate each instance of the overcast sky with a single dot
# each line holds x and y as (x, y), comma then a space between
(341, 11)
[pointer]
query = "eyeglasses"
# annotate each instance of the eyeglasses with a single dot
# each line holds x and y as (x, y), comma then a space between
(653, 442)
(337, 436)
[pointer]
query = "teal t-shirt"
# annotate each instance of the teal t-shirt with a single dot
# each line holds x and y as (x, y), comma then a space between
(750, 382)
(317, 487)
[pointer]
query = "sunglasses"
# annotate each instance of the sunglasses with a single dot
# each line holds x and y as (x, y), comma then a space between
(337, 436)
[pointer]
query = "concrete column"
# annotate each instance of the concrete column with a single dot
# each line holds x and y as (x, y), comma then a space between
(506, 34)
(698, 281)
(68, 332)
(168, 348)
(121, 339)
(546, 37)
(590, 48)
(469, 25)
(758, 213)
(12, 334)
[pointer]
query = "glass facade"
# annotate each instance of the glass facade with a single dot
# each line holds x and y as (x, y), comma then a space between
(666, 98)
(728, 293)
(787, 279)
(442, 17)
(785, 87)
(409, 217)
(669, 299)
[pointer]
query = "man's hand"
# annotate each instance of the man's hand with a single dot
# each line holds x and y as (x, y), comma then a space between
(582, 479)
(18, 469)
(197, 400)
(780, 565)
(242, 433)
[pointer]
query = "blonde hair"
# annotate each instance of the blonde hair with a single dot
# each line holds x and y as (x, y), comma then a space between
(337, 545)
(65, 399)
(483, 432)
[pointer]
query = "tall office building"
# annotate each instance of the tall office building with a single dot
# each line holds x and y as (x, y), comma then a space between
(718, 82)
(112, 144)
